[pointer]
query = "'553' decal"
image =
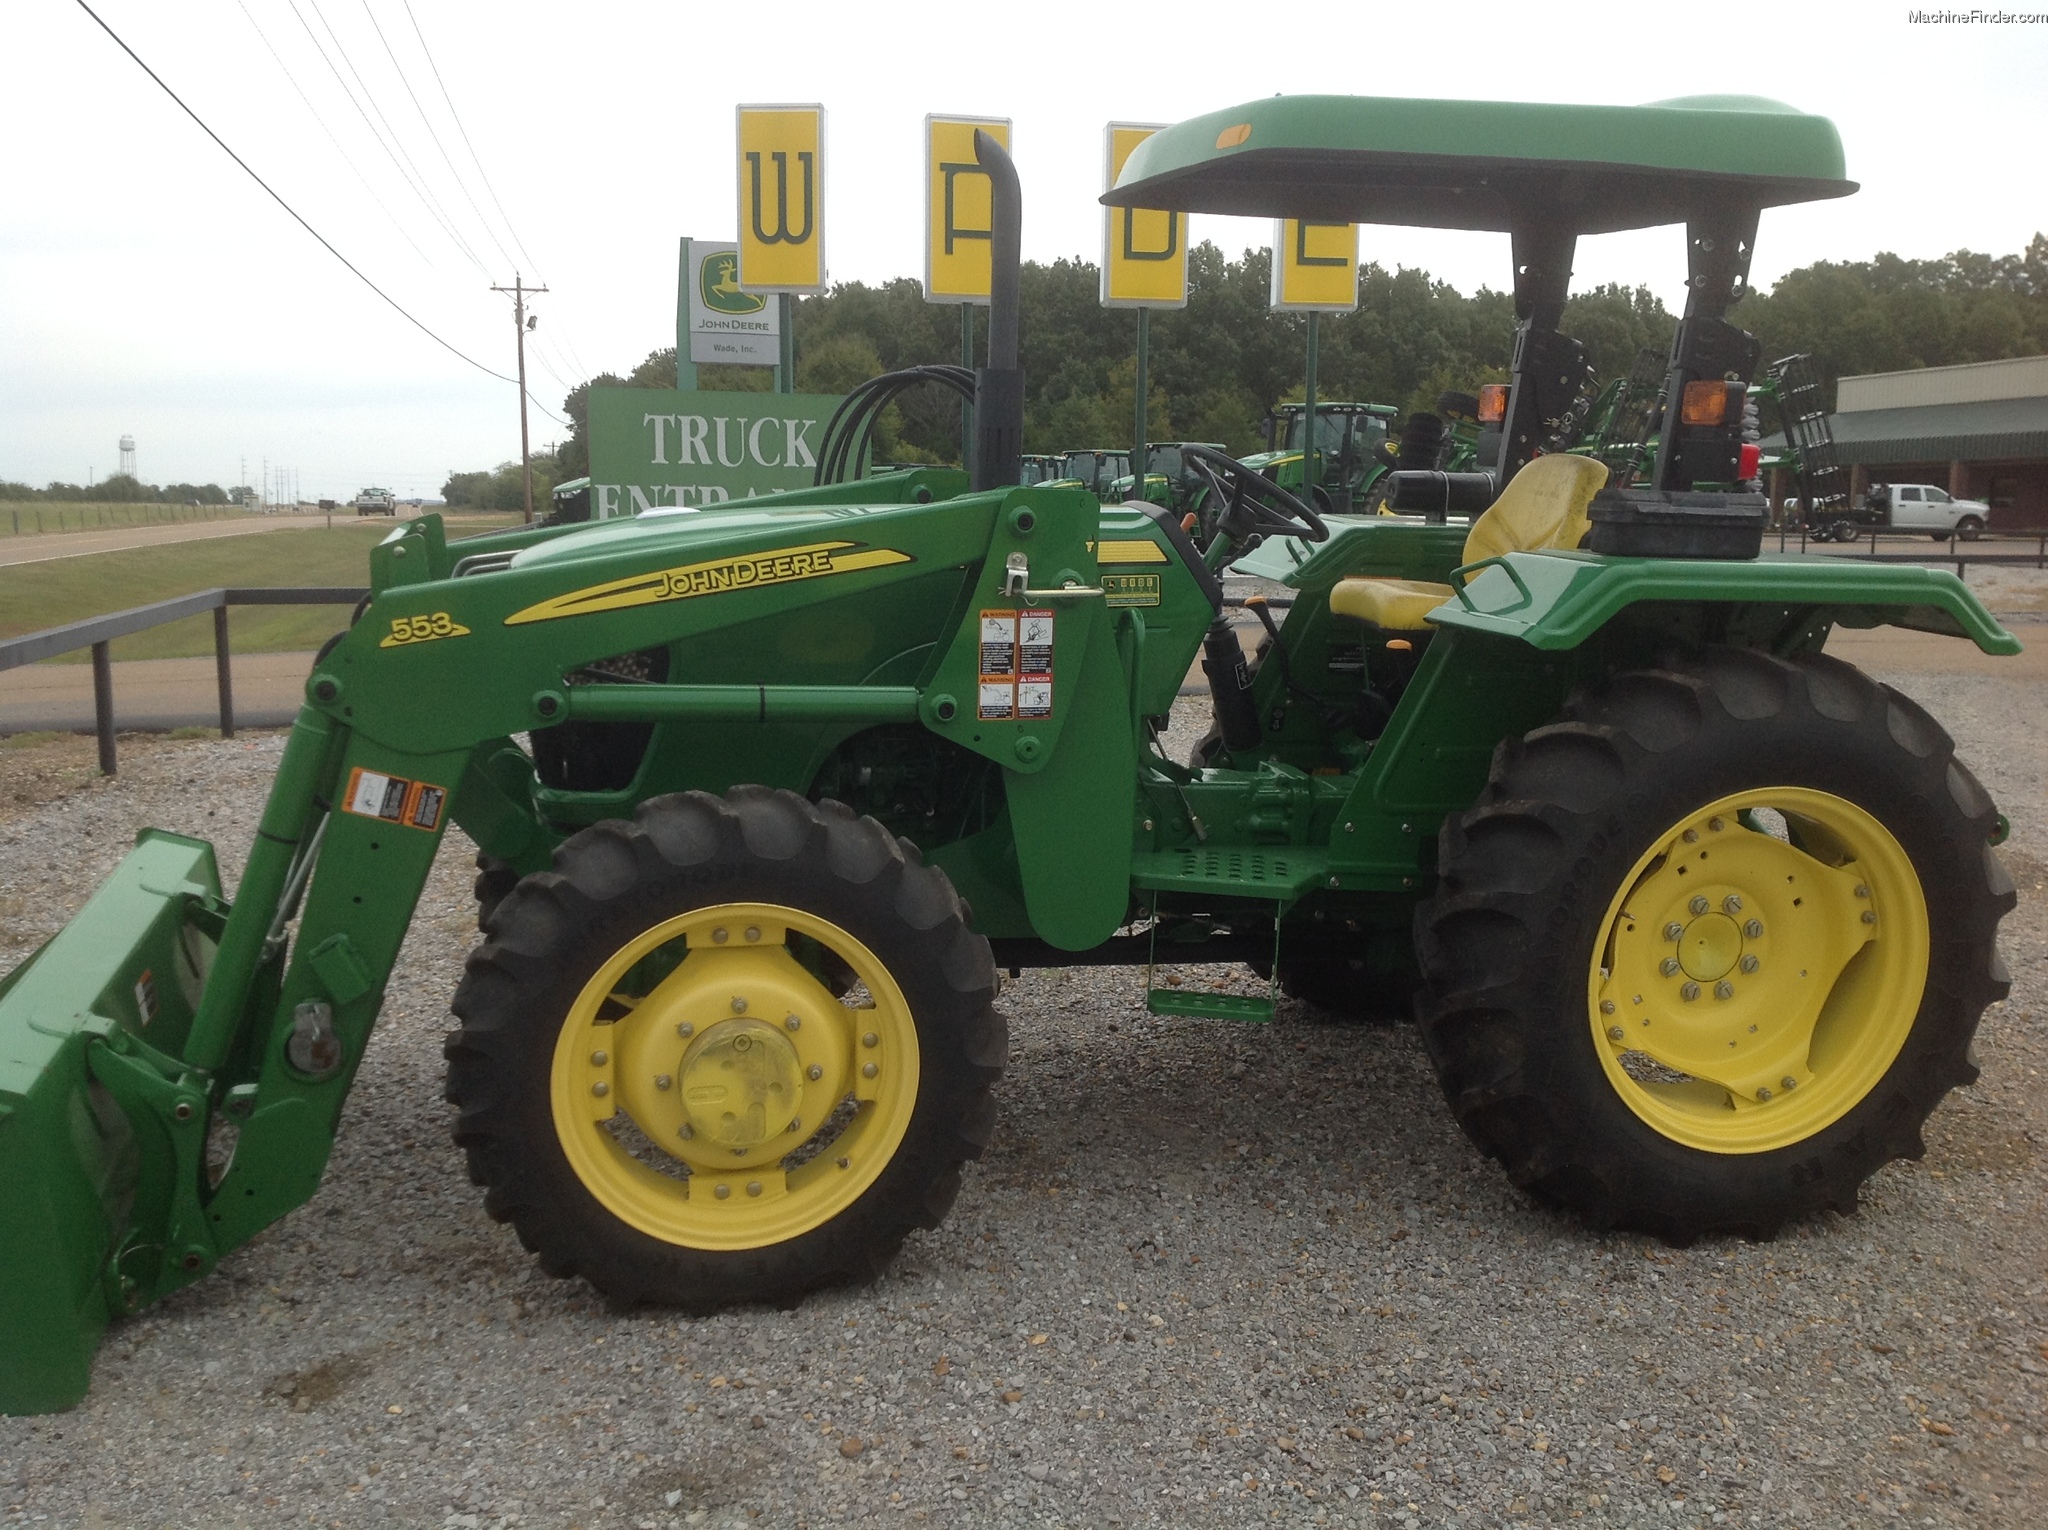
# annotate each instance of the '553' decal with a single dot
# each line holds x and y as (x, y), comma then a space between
(406, 630)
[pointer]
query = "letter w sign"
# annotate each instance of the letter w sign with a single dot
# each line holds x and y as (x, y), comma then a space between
(782, 198)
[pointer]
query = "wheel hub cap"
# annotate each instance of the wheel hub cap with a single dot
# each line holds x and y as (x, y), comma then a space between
(1710, 947)
(741, 1081)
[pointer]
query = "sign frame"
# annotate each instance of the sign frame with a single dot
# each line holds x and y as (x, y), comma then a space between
(1004, 130)
(1291, 235)
(758, 280)
(1123, 220)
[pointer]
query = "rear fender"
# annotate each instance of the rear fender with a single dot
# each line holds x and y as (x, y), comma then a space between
(1557, 600)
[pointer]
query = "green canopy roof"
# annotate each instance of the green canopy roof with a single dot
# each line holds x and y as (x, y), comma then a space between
(1485, 164)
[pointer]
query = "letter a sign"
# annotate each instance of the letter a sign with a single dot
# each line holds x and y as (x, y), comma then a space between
(1144, 252)
(782, 198)
(957, 208)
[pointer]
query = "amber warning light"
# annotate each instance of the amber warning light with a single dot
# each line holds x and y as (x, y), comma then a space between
(1493, 403)
(1706, 403)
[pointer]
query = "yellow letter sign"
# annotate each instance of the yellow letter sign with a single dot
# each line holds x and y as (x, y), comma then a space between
(957, 208)
(782, 198)
(1144, 252)
(1315, 266)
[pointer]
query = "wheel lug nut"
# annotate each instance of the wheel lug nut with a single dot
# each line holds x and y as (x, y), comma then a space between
(869, 1070)
(1870, 916)
(739, 1005)
(1724, 990)
(722, 1191)
(794, 1022)
(663, 1081)
(871, 1040)
(598, 1059)
(814, 1073)
(1789, 1082)
(685, 1029)
(1674, 930)
(1763, 1094)
(1689, 992)
(1732, 904)
(1669, 966)
(1615, 1033)
(1862, 891)
(1750, 963)
(1606, 1006)
(686, 1131)
(1754, 930)
(845, 1163)
(753, 932)
(718, 937)
(796, 1125)
(753, 1187)
(1716, 824)
(1699, 904)
(1691, 836)
(600, 1089)
(739, 1152)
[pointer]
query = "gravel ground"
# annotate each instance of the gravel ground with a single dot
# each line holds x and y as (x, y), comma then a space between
(1213, 1274)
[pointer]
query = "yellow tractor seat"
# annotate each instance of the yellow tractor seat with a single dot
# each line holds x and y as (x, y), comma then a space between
(1543, 507)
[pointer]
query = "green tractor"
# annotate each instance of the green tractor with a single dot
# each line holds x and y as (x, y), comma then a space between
(1352, 453)
(1172, 479)
(1702, 919)
(1096, 469)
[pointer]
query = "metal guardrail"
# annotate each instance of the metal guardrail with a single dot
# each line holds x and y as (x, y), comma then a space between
(1947, 549)
(97, 632)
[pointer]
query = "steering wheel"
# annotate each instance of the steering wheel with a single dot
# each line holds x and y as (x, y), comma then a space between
(1253, 505)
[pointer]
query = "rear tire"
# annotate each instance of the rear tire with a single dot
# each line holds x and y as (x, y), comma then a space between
(1534, 947)
(836, 1128)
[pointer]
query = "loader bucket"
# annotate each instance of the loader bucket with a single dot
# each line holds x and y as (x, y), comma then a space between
(100, 1134)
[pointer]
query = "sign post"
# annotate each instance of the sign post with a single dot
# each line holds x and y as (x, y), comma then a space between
(686, 363)
(781, 248)
(1315, 270)
(1144, 266)
(958, 230)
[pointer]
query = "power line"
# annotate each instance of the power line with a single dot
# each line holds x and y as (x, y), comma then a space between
(575, 361)
(281, 202)
(427, 122)
(285, 69)
(408, 175)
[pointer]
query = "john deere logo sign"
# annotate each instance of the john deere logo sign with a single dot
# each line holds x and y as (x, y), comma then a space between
(718, 286)
(727, 324)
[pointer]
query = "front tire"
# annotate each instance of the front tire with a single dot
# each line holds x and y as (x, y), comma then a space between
(1969, 528)
(732, 1051)
(1711, 948)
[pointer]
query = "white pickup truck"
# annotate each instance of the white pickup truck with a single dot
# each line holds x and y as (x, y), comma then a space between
(376, 502)
(1923, 507)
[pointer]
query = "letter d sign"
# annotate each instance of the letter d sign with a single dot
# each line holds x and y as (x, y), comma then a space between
(782, 198)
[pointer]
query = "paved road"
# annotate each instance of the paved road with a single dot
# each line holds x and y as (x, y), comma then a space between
(80, 544)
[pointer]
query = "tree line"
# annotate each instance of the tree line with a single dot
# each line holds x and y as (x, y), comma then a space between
(124, 489)
(1221, 363)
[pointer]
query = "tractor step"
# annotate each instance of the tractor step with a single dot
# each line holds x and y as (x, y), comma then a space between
(1192, 1003)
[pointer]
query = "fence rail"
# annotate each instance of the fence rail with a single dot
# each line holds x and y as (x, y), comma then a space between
(98, 632)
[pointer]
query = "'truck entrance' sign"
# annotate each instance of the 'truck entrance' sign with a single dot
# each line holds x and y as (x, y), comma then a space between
(657, 448)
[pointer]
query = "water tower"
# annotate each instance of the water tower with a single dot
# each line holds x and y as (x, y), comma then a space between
(128, 455)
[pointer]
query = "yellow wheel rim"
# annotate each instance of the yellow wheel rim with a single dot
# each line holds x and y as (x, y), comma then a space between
(1760, 970)
(737, 1102)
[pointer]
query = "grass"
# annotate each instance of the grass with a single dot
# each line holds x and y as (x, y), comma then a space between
(42, 518)
(38, 595)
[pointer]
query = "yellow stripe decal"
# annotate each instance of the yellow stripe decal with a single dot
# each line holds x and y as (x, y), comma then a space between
(1130, 552)
(719, 576)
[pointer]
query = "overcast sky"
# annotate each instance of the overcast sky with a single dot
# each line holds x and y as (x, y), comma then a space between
(148, 286)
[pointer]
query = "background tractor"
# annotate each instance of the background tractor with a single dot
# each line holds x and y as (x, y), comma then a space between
(766, 795)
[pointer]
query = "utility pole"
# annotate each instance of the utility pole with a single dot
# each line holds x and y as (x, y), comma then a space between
(521, 324)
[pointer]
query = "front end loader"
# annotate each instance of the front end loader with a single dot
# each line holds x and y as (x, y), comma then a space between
(1696, 920)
